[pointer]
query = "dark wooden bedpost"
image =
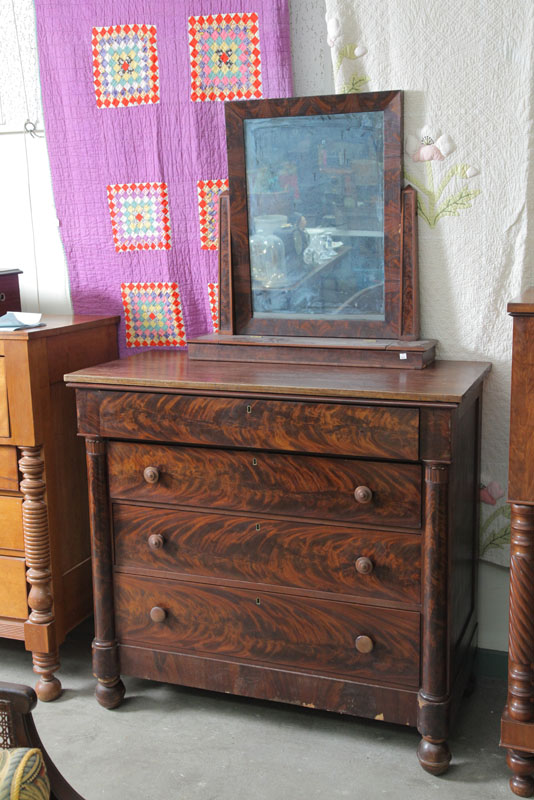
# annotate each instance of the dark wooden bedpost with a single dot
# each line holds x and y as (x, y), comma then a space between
(520, 703)
(110, 688)
(433, 752)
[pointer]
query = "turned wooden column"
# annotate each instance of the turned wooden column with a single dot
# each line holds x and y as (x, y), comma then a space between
(39, 630)
(110, 689)
(432, 721)
(520, 702)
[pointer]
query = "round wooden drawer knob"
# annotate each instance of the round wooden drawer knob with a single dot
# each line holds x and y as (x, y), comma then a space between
(364, 565)
(363, 494)
(158, 614)
(364, 644)
(156, 541)
(151, 474)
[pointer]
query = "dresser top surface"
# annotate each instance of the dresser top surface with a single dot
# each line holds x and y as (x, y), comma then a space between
(442, 382)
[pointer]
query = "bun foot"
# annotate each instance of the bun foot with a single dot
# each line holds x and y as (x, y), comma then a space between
(110, 695)
(48, 689)
(434, 757)
(522, 765)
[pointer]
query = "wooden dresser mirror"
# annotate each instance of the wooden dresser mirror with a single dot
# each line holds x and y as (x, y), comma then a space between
(318, 256)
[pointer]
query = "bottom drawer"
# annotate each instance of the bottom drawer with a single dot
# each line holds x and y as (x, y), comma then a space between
(13, 591)
(301, 633)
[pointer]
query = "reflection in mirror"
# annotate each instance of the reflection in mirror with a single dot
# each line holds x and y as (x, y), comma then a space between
(315, 188)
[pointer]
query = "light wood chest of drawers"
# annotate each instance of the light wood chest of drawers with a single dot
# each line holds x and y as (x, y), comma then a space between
(44, 536)
(301, 534)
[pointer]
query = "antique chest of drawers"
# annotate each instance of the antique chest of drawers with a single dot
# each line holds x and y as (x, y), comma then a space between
(296, 533)
(44, 531)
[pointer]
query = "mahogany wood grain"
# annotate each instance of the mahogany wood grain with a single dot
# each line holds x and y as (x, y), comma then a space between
(110, 689)
(520, 472)
(306, 486)
(226, 300)
(441, 382)
(359, 698)
(9, 474)
(275, 552)
(303, 633)
(517, 724)
(520, 702)
(370, 431)
(286, 350)
(231, 525)
(409, 263)
(434, 697)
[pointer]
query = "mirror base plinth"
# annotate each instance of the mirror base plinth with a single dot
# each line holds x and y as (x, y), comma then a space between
(306, 350)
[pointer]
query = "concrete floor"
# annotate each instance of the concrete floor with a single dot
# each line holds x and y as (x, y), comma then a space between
(171, 742)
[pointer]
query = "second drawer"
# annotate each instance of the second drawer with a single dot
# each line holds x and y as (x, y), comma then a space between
(381, 566)
(348, 490)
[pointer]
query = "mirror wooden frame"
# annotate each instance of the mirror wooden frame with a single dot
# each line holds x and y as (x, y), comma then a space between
(392, 342)
(237, 113)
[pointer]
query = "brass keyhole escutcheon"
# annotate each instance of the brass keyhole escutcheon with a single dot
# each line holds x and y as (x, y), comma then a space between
(258, 526)
(254, 462)
(258, 601)
(249, 409)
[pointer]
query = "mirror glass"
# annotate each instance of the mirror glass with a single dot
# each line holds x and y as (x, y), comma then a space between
(315, 189)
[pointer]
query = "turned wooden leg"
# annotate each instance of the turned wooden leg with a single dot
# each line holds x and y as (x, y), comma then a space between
(110, 689)
(39, 631)
(522, 766)
(433, 712)
(520, 701)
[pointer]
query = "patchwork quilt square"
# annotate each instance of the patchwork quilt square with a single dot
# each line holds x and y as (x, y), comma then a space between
(125, 65)
(208, 193)
(140, 216)
(213, 295)
(225, 57)
(153, 315)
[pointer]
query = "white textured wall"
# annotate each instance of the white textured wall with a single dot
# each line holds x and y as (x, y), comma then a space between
(28, 225)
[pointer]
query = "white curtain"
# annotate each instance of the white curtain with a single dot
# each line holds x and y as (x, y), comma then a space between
(467, 70)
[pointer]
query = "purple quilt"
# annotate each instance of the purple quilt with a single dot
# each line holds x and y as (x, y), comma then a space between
(133, 94)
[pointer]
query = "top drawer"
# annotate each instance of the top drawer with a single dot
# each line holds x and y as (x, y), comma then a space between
(323, 428)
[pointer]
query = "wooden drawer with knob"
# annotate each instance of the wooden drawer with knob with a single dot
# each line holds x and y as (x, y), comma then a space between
(340, 489)
(300, 633)
(323, 558)
(323, 428)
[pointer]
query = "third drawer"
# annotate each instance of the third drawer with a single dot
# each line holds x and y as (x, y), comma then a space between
(305, 634)
(380, 566)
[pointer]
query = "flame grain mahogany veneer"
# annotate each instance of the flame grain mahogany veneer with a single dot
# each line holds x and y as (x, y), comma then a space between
(305, 534)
